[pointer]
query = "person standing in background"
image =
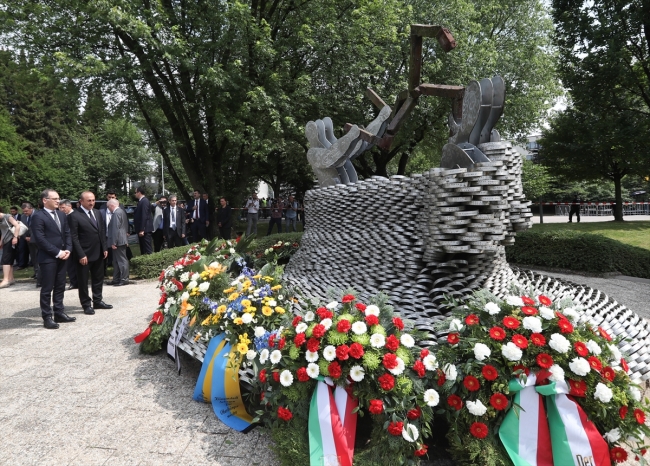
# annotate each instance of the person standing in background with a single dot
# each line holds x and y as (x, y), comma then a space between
(224, 219)
(65, 206)
(118, 240)
(142, 221)
(174, 223)
(210, 215)
(575, 209)
(290, 215)
(28, 212)
(197, 213)
(158, 226)
(252, 207)
(9, 245)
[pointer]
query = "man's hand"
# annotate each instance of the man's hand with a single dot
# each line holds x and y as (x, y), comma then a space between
(113, 246)
(141, 233)
(219, 224)
(84, 260)
(105, 254)
(183, 235)
(27, 238)
(65, 256)
(14, 241)
(207, 223)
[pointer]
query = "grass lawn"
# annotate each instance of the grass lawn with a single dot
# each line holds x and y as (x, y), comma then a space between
(632, 233)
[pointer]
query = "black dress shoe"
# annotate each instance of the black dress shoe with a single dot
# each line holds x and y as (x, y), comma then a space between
(71, 287)
(63, 317)
(49, 323)
(89, 310)
(110, 282)
(122, 283)
(33, 277)
(102, 305)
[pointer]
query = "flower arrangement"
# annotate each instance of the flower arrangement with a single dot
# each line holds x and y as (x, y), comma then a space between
(364, 350)
(279, 253)
(496, 349)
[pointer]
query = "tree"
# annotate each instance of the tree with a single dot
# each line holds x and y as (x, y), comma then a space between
(535, 179)
(12, 155)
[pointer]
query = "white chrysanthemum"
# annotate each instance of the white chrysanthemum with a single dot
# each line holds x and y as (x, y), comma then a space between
(311, 356)
(250, 354)
(327, 323)
(191, 285)
(515, 301)
(313, 370)
(272, 303)
(399, 369)
(214, 265)
(451, 373)
(492, 308)
(301, 327)
(260, 331)
(372, 310)
(246, 318)
(232, 250)
(635, 393)
(559, 343)
(613, 435)
(456, 325)
(616, 354)
(281, 298)
(309, 316)
(603, 393)
(532, 323)
(203, 287)
(430, 362)
(264, 355)
(256, 293)
(329, 353)
(476, 407)
(377, 340)
(286, 378)
(171, 300)
(407, 340)
(276, 356)
(580, 366)
(593, 347)
(571, 314)
(511, 352)
(185, 277)
(410, 433)
(357, 373)
(185, 296)
(168, 305)
(431, 397)
(546, 313)
(557, 373)
(331, 306)
(359, 328)
(481, 351)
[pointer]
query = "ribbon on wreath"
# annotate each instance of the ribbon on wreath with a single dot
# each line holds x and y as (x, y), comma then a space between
(158, 318)
(218, 382)
(332, 425)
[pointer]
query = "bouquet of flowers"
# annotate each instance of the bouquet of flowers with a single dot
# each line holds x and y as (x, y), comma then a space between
(517, 370)
(371, 359)
(279, 253)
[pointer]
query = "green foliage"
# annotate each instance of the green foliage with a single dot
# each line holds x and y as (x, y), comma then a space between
(578, 251)
(535, 180)
(12, 155)
(150, 265)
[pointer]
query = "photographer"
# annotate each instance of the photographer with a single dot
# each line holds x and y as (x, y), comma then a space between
(276, 217)
(253, 207)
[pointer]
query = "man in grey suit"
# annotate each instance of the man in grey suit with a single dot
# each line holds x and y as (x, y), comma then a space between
(158, 227)
(174, 223)
(118, 240)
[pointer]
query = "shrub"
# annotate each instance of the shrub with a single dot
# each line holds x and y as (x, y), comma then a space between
(578, 251)
(151, 265)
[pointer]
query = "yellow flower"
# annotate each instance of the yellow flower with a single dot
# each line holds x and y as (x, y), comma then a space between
(193, 321)
(197, 336)
(215, 318)
(276, 287)
(207, 321)
(221, 309)
(195, 291)
(267, 279)
(229, 290)
(245, 302)
(267, 311)
(185, 307)
(251, 310)
(242, 348)
(210, 272)
(233, 296)
(257, 277)
(280, 310)
(238, 321)
(244, 339)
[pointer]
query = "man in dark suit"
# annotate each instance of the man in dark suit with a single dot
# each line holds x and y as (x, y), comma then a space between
(49, 228)
(143, 222)
(65, 206)
(117, 240)
(28, 212)
(110, 194)
(197, 213)
(174, 222)
(224, 219)
(89, 251)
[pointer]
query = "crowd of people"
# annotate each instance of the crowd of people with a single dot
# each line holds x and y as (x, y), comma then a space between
(275, 210)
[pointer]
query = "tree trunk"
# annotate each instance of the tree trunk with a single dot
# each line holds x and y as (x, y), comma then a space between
(618, 209)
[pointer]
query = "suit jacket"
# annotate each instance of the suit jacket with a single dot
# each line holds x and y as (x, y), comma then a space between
(88, 238)
(27, 220)
(203, 210)
(224, 216)
(142, 217)
(103, 212)
(49, 239)
(118, 229)
(180, 221)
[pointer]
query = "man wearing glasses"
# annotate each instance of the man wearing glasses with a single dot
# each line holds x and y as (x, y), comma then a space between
(50, 231)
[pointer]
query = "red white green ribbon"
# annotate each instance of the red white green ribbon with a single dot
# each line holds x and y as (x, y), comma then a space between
(332, 425)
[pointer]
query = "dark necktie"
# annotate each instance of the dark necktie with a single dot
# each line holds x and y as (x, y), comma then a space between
(92, 218)
(56, 219)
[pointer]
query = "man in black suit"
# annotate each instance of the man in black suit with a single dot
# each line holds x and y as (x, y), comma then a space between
(50, 231)
(89, 251)
(110, 194)
(174, 223)
(65, 206)
(143, 222)
(197, 213)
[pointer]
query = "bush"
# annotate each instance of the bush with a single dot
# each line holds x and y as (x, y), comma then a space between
(151, 265)
(583, 252)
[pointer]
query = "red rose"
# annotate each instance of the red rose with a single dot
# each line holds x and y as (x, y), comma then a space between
(271, 341)
(455, 402)
(520, 341)
(348, 298)
(372, 320)
(343, 326)
(528, 301)
(302, 374)
(639, 415)
(471, 319)
(334, 370)
(398, 323)
(622, 412)
(442, 378)
(313, 344)
(356, 350)
(489, 372)
(360, 307)
(595, 363)
(478, 430)
(418, 367)
(521, 367)
(580, 348)
(624, 365)
(395, 428)
(544, 360)
(276, 376)
(296, 321)
(565, 326)
(471, 383)
(390, 361)
(284, 414)
(318, 331)
(497, 333)
(424, 353)
(499, 401)
(453, 338)
(376, 407)
(529, 311)
(537, 339)
(543, 300)
(421, 451)
(414, 413)
(578, 388)
(299, 339)
(392, 343)
(386, 382)
(511, 322)
(618, 455)
(604, 334)
(262, 376)
(282, 342)
(342, 352)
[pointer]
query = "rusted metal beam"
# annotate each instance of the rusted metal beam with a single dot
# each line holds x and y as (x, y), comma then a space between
(403, 113)
(415, 61)
(442, 35)
(399, 101)
(375, 99)
(442, 90)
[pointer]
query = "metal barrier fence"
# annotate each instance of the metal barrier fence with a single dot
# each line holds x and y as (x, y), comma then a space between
(597, 209)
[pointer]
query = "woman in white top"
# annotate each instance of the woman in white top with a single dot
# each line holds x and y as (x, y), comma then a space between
(9, 245)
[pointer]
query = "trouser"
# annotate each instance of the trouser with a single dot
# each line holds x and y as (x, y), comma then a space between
(274, 221)
(174, 239)
(198, 230)
(574, 211)
(33, 253)
(53, 287)
(224, 232)
(252, 223)
(145, 244)
(94, 270)
(120, 264)
(289, 222)
(157, 237)
(71, 268)
(22, 248)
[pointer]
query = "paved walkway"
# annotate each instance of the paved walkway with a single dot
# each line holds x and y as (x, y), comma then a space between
(84, 395)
